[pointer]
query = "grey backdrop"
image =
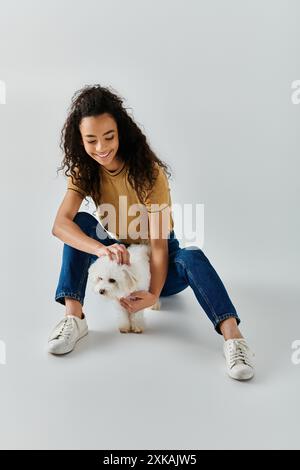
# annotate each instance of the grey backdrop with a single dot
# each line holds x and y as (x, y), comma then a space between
(209, 82)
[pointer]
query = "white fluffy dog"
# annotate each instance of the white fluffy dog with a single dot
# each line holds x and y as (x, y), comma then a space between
(113, 281)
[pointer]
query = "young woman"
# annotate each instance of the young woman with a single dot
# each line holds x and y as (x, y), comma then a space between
(108, 158)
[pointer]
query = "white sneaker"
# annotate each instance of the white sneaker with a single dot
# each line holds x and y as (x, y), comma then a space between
(66, 334)
(239, 359)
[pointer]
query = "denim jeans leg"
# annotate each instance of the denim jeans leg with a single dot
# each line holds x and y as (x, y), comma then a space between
(75, 263)
(190, 267)
(206, 284)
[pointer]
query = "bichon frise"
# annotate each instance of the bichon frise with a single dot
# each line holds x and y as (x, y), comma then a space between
(113, 281)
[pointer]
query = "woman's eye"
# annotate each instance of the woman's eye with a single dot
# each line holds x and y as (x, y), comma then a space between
(93, 141)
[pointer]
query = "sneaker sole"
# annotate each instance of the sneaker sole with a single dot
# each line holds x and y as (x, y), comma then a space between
(70, 350)
(240, 379)
(236, 378)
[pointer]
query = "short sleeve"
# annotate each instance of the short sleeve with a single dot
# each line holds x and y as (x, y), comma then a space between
(158, 198)
(76, 185)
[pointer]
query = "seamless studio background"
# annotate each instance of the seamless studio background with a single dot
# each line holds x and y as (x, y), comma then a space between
(210, 84)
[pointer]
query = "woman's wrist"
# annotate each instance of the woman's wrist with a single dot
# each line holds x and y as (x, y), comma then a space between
(98, 247)
(155, 294)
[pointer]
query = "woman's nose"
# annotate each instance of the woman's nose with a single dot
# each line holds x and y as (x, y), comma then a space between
(100, 148)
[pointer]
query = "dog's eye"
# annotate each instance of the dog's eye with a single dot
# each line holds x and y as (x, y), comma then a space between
(112, 280)
(99, 278)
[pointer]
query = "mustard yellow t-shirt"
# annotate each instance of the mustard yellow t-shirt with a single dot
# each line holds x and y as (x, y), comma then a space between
(120, 210)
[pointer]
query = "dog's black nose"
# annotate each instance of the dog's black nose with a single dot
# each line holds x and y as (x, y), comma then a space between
(102, 291)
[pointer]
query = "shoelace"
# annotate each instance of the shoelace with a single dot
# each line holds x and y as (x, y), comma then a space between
(66, 328)
(238, 352)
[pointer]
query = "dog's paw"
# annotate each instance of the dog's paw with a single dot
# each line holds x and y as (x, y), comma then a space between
(124, 329)
(137, 329)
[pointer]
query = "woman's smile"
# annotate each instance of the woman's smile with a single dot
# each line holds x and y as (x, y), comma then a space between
(104, 155)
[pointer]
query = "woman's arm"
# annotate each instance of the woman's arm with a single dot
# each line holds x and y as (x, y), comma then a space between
(158, 266)
(159, 269)
(68, 231)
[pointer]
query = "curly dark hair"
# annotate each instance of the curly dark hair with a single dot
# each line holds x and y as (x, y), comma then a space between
(93, 100)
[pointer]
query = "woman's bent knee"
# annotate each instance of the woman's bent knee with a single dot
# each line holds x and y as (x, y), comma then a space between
(85, 221)
(191, 256)
(91, 226)
(84, 218)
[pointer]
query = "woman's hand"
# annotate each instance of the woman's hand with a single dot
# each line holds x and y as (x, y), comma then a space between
(116, 251)
(138, 300)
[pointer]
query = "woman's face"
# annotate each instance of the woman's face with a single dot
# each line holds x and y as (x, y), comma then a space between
(101, 140)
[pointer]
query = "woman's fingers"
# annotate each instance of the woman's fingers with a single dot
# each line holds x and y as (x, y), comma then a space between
(126, 255)
(125, 302)
(131, 306)
(118, 252)
(126, 305)
(109, 253)
(123, 254)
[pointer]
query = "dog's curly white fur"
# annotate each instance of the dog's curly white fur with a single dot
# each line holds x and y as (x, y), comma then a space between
(113, 281)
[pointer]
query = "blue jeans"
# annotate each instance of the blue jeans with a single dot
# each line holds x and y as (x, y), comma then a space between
(186, 267)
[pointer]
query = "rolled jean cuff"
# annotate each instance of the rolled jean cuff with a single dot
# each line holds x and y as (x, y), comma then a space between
(224, 317)
(60, 297)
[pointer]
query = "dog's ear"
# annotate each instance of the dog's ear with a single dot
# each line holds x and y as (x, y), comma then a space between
(93, 271)
(130, 276)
